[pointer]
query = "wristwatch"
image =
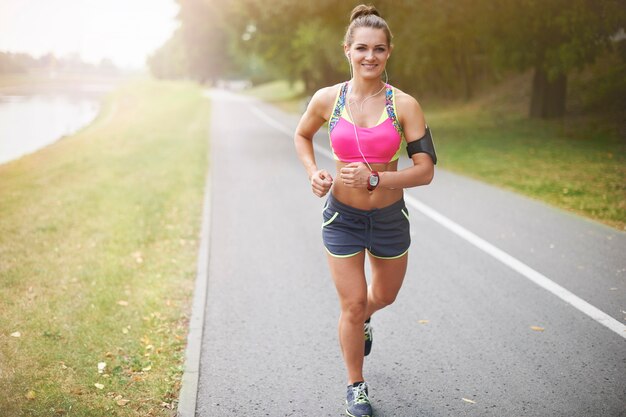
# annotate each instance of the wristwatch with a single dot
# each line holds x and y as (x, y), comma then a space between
(373, 181)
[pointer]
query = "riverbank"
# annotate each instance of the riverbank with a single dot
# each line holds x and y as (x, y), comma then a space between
(98, 241)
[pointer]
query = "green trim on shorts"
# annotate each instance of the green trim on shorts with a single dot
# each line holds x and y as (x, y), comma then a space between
(342, 256)
(331, 219)
(389, 257)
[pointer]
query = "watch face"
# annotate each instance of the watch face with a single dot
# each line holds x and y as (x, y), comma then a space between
(373, 180)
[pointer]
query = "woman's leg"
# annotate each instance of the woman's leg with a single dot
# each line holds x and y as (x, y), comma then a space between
(349, 277)
(387, 278)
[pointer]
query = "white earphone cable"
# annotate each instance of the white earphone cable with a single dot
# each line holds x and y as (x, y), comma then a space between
(356, 135)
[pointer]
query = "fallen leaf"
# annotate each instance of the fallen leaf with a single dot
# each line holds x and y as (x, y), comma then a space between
(99, 386)
(423, 321)
(122, 303)
(537, 328)
(146, 369)
(16, 334)
(468, 401)
(125, 330)
(138, 257)
(122, 403)
(31, 395)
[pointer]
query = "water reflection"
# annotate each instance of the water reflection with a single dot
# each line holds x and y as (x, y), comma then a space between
(29, 122)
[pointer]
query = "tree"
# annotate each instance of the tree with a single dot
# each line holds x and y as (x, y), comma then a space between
(11, 63)
(205, 38)
(294, 40)
(553, 38)
(170, 60)
(439, 45)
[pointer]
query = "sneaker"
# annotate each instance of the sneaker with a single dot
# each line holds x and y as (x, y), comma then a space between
(357, 401)
(369, 336)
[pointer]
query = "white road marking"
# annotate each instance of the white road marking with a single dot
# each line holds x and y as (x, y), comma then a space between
(508, 260)
(517, 265)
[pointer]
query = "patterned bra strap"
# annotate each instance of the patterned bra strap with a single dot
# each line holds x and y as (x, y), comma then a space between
(391, 111)
(341, 102)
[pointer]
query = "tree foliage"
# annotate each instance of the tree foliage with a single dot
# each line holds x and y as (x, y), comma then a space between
(553, 38)
(21, 62)
(204, 38)
(446, 47)
(170, 61)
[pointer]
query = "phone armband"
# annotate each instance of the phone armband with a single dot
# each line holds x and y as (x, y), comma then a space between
(424, 144)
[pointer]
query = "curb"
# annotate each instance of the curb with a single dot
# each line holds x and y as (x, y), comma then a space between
(189, 388)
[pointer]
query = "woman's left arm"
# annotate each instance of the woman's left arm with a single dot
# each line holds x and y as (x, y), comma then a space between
(412, 120)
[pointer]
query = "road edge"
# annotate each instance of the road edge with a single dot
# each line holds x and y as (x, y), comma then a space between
(189, 384)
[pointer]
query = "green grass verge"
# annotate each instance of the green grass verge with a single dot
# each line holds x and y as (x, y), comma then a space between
(98, 242)
(583, 171)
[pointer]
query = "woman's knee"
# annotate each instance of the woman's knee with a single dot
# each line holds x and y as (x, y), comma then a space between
(382, 298)
(354, 310)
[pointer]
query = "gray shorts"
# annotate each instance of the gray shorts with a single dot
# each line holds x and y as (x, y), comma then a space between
(384, 232)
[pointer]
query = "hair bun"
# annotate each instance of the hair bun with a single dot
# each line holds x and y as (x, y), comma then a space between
(363, 10)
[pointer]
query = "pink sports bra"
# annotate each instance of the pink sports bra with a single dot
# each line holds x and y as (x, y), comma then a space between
(379, 144)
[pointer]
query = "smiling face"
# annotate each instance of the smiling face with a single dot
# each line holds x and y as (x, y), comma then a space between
(368, 52)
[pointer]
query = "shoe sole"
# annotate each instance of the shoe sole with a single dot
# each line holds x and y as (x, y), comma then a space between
(362, 415)
(367, 350)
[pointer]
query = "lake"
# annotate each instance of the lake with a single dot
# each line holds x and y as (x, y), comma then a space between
(30, 120)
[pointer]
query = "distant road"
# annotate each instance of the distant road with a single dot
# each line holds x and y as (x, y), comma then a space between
(494, 318)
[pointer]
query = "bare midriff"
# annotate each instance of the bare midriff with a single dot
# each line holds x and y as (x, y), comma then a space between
(361, 198)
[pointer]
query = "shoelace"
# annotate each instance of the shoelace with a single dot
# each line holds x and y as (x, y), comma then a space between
(368, 331)
(360, 395)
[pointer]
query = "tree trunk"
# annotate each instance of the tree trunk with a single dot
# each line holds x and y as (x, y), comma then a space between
(548, 95)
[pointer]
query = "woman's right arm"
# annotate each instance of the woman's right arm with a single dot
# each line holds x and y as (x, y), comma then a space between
(313, 118)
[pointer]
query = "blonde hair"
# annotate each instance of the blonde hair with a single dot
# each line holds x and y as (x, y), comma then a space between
(363, 16)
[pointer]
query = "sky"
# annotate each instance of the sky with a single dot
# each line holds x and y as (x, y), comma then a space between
(126, 31)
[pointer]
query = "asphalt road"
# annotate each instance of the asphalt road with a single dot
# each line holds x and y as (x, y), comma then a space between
(461, 327)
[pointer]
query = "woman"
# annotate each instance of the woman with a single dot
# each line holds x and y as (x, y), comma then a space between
(369, 123)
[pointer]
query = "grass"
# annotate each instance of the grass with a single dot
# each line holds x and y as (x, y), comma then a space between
(583, 172)
(98, 241)
(577, 164)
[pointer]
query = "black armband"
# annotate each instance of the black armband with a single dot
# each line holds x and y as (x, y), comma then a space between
(423, 144)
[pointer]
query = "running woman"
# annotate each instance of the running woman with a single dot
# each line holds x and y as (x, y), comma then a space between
(369, 124)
